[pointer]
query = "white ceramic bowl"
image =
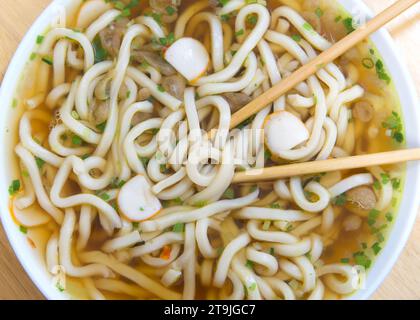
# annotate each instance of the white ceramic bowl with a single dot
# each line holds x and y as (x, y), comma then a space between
(35, 267)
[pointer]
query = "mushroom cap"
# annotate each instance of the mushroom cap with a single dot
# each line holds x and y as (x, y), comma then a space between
(136, 200)
(189, 57)
(284, 131)
(363, 197)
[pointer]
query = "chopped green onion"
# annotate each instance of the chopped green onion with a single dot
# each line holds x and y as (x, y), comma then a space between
(40, 39)
(201, 204)
(178, 201)
(229, 193)
(249, 264)
(385, 178)
(101, 127)
(296, 37)
(14, 187)
(339, 200)
(225, 17)
(76, 140)
(59, 287)
(395, 183)
(100, 52)
(376, 248)
(380, 71)
(104, 196)
(117, 183)
(267, 155)
(170, 10)
(252, 20)
(377, 185)
(23, 229)
(368, 63)
(157, 17)
(348, 24)
(380, 237)
(75, 115)
(319, 12)
(144, 161)
(360, 258)
(394, 124)
(372, 216)
(39, 162)
(133, 3)
(179, 228)
(307, 26)
(119, 5)
(171, 38)
(48, 60)
(253, 286)
(240, 33)
(266, 225)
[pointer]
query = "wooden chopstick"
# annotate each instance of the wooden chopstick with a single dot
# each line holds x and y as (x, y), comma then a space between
(320, 61)
(312, 167)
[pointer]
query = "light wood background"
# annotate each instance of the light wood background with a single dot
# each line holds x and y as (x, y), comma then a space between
(16, 16)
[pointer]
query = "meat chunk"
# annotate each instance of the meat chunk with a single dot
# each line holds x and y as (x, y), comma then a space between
(175, 86)
(99, 112)
(363, 197)
(111, 37)
(161, 5)
(237, 100)
(155, 60)
(363, 111)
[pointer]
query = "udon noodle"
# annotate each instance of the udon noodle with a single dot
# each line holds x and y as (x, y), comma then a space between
(127, 157)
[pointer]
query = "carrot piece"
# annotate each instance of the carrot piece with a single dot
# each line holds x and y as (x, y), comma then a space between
(166, 253)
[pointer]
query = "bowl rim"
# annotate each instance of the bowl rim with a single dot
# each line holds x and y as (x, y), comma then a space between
(408, 209)
(400, 230)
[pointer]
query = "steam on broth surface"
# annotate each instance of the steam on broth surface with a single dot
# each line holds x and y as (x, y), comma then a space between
(126, 191)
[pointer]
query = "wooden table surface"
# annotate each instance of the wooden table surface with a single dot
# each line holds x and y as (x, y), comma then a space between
(16, 16)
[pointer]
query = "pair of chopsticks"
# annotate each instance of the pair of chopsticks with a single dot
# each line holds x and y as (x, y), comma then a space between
(295, 169)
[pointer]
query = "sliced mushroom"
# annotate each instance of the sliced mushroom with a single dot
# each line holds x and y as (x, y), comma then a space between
(214, 3)
(313, 19)
(363, 111)
(103, 89)
(111, 37)
(175, 86)
(155, 60)
(189, 57)
(143, 94)
(140, 117)
(99, 112)
(137, 201)
(363, 197)
(237, 100)
(284, 131)
(161, 5)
